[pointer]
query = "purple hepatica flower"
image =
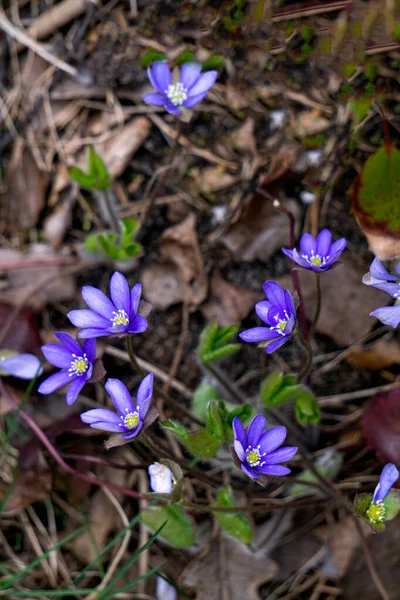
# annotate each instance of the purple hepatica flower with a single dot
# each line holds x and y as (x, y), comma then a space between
(278, 312)
(376, 512)
(383, 280)
(188, 91)
(117, 316)
(75, 362)
(24, 366)
(317, 254)
(257, 450)
(129, 419)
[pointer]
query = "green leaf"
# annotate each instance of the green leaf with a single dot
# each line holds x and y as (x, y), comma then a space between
(224, 334)
(178, 430)
(98, 170)
(150, 57)
(186, 56)
(203, 394)
(214, 63)
(306, 406)
(376, 193)
(392, 504)
(202, 444)
(178, 530)
(360, 108)
(220, 353)
(270, 387)
(236, 525)
(214, 422)
(82, 179)
(207, 338)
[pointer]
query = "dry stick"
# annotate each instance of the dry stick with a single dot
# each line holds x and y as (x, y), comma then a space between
(307, 364)
(22, 37)
(293, 272)
(318, 306)
(55, 454)
(149, 199)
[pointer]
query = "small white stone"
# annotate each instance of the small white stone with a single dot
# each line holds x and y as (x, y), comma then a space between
(160, 478)
(219, 213)
(314, 158)
(277, 118)
(307, 197)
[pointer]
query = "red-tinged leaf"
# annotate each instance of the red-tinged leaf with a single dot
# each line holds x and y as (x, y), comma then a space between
(22, 333)
(381, 425)
(376, 193)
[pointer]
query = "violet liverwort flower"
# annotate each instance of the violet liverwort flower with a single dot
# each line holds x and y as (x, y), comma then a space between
(129, 416)
(24, 366)
(160, 478)
(278, 312)
(117, 316)
(75, 362)
(189, 90)
(317, 254)
(383, 280)
(256, 449)
(389, 476)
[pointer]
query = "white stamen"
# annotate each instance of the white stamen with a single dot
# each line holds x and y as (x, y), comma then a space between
(120, 318)
(177, 93)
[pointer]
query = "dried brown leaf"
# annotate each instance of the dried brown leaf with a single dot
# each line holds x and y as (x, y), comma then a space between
(30, 486)
(162, 285)
(374, 357)
(310, 123)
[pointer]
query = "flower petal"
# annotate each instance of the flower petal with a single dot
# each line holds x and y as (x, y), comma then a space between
(288, 253)
(68, 342)
(276, 344)
(87, 318)
(97, 301)
(193, 100)
(74, 389)
(24, 366)
(388, 478)
(160, 76)
(249, 471)
(89, 347)
(54, 382)
(138, 325)
(172, 109)
(120, 293)
(102, 418)
(136, 292)
(337, 248)
(307, 244)
(203, 84)
(239, 449)
(135, 431)
(300, 260)
(274, 293)
(190, 72)
(92, 332)
(389, 315)
(273, 470)
(239, 433)
(290, 308)
(144, 395)
(258, 334)
(378, 271)
(262, 308)
(154, 99)
(58, 356)
(255, 430)
(324, 239)
(120, 396)
(281, 455)
(272, 439)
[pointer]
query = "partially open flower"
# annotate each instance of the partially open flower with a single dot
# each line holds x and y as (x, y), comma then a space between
(190, 89)
(317, 254)
(118, 316)
(75, 362)
(160, 478)
(24, 366)
(383, 280)
(389, 476)
(279, 314)
(130, 415)
(257, 450)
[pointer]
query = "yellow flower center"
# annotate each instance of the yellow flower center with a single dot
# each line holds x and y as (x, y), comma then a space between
(131, 420)
(281, 325)
(79, 366)
(253, 457)
(316, 261)
(120, 318)
(376, 512)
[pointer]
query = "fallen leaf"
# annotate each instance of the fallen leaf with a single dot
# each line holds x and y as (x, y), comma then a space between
(384, 247)
(5, 404)
(261, 230)
(243, 138)
(342, 538)
(242, 570)
(213, 179)
(238, 94)
(376, 356)
(162, 285)
(381, 425)
(57, 223)
(309, 122)
(349, 324)
(228, 303)
(25, 193)
(290, 158)
(31, 485)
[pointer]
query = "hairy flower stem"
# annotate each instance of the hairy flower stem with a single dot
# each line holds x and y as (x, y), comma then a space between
(318, 305)
(149, 198)
(173, 403)
(307, 360)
